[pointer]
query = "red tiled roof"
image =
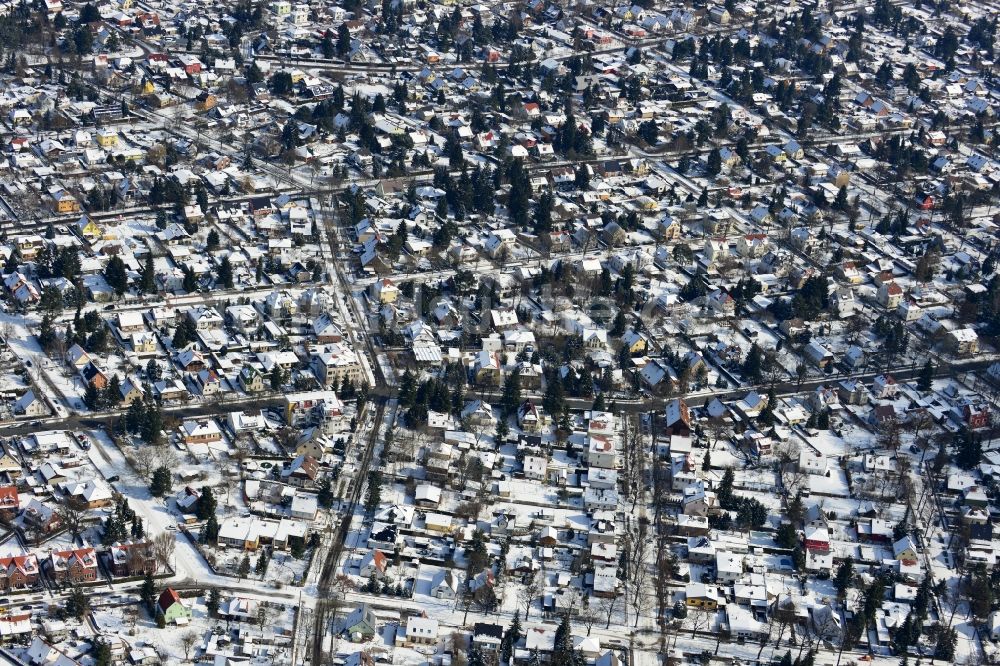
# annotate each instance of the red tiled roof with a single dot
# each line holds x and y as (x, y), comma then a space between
(8, 496)
(167, 599)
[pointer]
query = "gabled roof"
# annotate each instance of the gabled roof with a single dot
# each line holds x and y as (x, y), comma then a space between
(167, 599)
(8, 497)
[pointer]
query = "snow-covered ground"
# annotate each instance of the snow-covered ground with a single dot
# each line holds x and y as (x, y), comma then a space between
(160, 516)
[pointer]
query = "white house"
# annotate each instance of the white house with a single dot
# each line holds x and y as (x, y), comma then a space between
(421, 631)
(31, 406)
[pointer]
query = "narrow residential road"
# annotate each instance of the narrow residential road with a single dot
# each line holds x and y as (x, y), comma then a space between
(781, 389)
(97, 420)
(323, 610)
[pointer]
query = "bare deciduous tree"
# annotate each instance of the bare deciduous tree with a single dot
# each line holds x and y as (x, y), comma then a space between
(666, 561)
(188, 640)
(890, 434)
(529, 591)
(166, 455)
(637, 547)
(792, 477)
(766, 637)
(716, 430)
(242, 448)
(641, 600)
(786, 452)
(458, 658)
(343, 584)
(636, 454)
(131, 615)
(701, 618)
(72, 515)
(225, 486)
(163, 548)
(587, 615)
(144, 460)
(607, 606)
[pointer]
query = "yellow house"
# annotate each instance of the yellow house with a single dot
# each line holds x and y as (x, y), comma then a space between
(671, 230)
(311, 447)
(905, 550)
(438, 522)
(107, 138)
(635, 342)
(777, 154)
(88, 228)
(700, 595)
(130, 392)
(646, 203)
(29, 246)
(9, 464)
(386, 291)
(143, 342)
(64, 202)
(205, 102)
(132, 154)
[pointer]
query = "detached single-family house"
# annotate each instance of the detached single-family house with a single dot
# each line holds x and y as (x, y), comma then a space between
(171, 608)
(361, 625)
